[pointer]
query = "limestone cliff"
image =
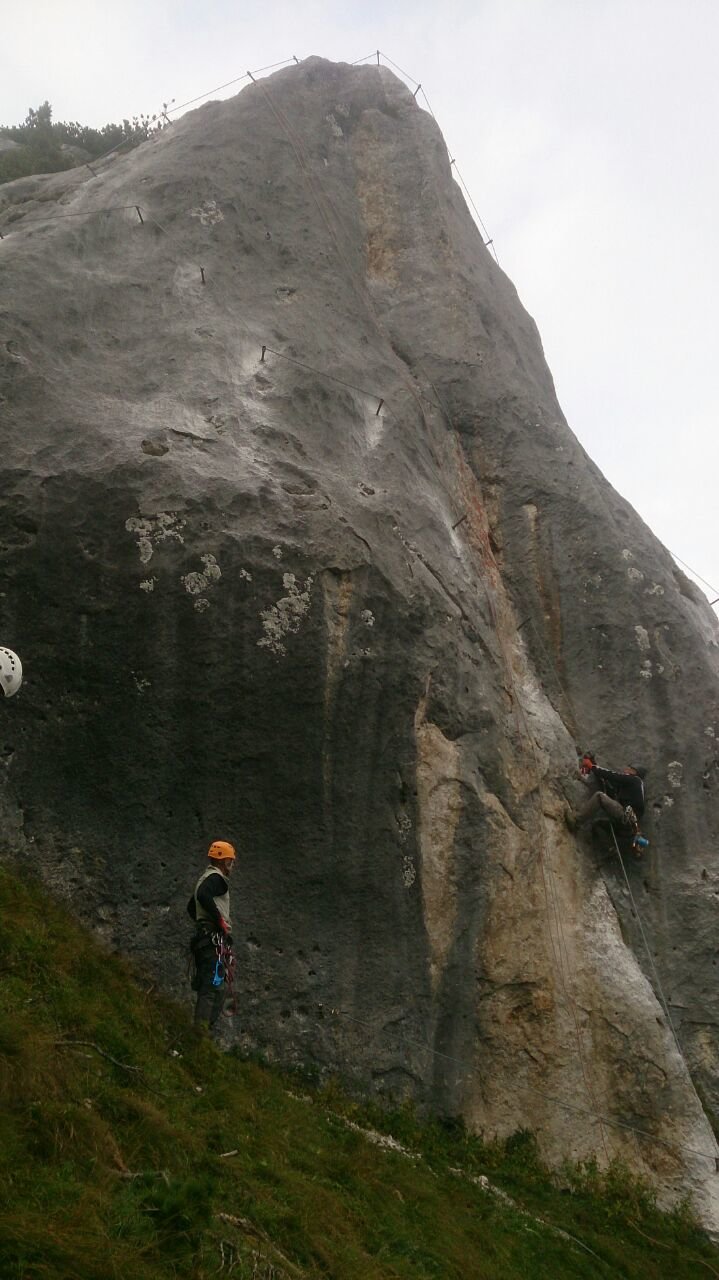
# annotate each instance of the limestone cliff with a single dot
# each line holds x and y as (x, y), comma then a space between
(360, 639)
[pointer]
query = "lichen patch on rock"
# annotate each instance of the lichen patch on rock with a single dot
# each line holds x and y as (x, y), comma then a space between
(285, 617)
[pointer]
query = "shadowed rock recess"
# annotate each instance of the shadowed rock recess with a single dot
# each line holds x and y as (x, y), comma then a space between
(361, 644)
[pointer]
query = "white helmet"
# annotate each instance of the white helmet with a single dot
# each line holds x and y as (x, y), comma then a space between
(10, 672)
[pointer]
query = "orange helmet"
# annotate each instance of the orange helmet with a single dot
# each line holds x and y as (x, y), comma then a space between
(220, 849)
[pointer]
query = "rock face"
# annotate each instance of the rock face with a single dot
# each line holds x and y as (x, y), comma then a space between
(352, 607)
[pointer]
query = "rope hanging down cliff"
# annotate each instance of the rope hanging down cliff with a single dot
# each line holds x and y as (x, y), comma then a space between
(664, 1001)
(561, 959)
(549, 1097)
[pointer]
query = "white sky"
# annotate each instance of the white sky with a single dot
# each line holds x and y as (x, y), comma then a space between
(586, 131)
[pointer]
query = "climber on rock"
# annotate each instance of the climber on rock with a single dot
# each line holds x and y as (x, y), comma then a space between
(616, 795)
(211, 945)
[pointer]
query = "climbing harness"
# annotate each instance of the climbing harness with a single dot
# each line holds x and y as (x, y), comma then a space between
(638, 842)
(627, 832)
(630, 819)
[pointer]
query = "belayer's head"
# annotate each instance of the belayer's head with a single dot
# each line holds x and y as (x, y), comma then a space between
(637, 770)
(222, 853)
(10, 672)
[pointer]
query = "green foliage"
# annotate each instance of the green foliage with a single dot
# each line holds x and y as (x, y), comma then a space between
(112, 1164)
(48, 147)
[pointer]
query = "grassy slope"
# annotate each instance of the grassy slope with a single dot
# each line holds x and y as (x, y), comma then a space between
(115, 1172)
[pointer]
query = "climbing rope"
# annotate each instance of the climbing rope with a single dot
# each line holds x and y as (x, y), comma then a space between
(550, 891)
(226, 961)
(571, 1107)
(561, 957)
(660, 989)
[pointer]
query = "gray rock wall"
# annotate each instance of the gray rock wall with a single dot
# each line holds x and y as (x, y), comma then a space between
(362, 645)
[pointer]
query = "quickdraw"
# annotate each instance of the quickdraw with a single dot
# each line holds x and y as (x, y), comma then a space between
(631, 820)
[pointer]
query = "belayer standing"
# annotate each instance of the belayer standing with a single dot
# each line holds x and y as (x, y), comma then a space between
(211, 944)
(616, 795)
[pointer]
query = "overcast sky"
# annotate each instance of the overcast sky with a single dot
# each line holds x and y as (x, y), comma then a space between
(586, 131)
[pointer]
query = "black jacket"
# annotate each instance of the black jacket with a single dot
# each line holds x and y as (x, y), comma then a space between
(627, 788)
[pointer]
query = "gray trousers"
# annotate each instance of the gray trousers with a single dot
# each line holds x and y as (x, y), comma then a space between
(601, 806)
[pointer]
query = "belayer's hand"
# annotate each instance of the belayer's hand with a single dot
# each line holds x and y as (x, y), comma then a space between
(224, 925)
